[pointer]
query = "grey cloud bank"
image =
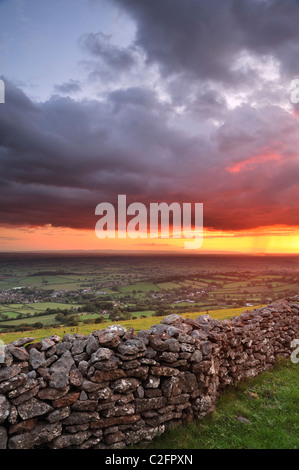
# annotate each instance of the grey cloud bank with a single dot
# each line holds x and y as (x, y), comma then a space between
(196, 108)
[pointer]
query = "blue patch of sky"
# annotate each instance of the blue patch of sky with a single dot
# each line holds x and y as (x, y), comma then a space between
(39, 40)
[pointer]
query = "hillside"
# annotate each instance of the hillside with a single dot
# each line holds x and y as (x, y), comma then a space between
(116, 387)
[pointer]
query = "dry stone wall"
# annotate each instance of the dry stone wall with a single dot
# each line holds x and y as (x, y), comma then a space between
(114, 387)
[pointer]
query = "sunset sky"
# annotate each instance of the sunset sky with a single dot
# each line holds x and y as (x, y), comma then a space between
(160, 100)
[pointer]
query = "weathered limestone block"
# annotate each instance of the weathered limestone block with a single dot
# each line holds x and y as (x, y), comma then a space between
(152, 392)
(60, 371)
(19, 353)
(23, 426)
(102, 376)
(203, 406)
(169, 356)
(36, 358)
(113, 438)
(125, 385)
(163, 370)
(66, 400)
(92, 345)
(22, 341)
(109, 364)
(22, 398)
(119, 330)
(49, 393)
(157, 343)
(78, 417)
(108, 339)
(13, 383)
(65, 441)
(196, 356)
(4, 408)
(124, 410)
(114, 387)
(46, 344)
(118, 420)
(42, 434)
(172, 319)
(131, 347)
(7, 373)
(140, 372)
(32, 408)
(188, 381)
(58, 415)
(152, 382)
(78, 346)
(100, 355)
(171, 386)
(173, 345)
(61, 348)
(143, 404)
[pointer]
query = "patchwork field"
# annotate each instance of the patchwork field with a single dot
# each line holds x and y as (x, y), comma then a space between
(138, 324)
(106, 288)
(44, 295)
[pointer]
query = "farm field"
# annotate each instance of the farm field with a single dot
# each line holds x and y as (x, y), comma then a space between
(41, 296)
(139, 287)
(12, 315)
(89, 289)
(45, 320)
(33, 307)
(138, 324)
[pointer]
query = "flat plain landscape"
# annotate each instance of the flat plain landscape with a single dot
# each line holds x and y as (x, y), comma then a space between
(83, 292)
(43, 295)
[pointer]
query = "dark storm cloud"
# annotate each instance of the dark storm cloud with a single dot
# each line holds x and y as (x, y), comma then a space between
(204, 39)
(109, 59)
(59, 159)
(174, 137)
(206, 103)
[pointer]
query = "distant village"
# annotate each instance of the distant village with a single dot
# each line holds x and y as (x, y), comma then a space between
(25, 295)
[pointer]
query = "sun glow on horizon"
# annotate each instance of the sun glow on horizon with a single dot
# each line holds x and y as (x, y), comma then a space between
(267, 240)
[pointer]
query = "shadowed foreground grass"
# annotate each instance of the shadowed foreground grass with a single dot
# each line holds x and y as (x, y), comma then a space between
(270, 403)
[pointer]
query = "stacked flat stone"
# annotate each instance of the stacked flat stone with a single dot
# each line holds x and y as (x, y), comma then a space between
(116, 387)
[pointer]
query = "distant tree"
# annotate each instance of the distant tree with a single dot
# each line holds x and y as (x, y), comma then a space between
(60, 318)
(126, 315)
(73, 320)
(115, 314)
(99, 320)
(160, 312)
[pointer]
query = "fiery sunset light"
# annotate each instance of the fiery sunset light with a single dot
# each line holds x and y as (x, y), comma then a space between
(181, 101)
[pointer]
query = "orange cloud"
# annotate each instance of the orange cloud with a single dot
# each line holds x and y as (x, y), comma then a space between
(274, 239)
(251, 162)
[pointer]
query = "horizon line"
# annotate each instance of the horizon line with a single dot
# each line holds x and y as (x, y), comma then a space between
(146, 252)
